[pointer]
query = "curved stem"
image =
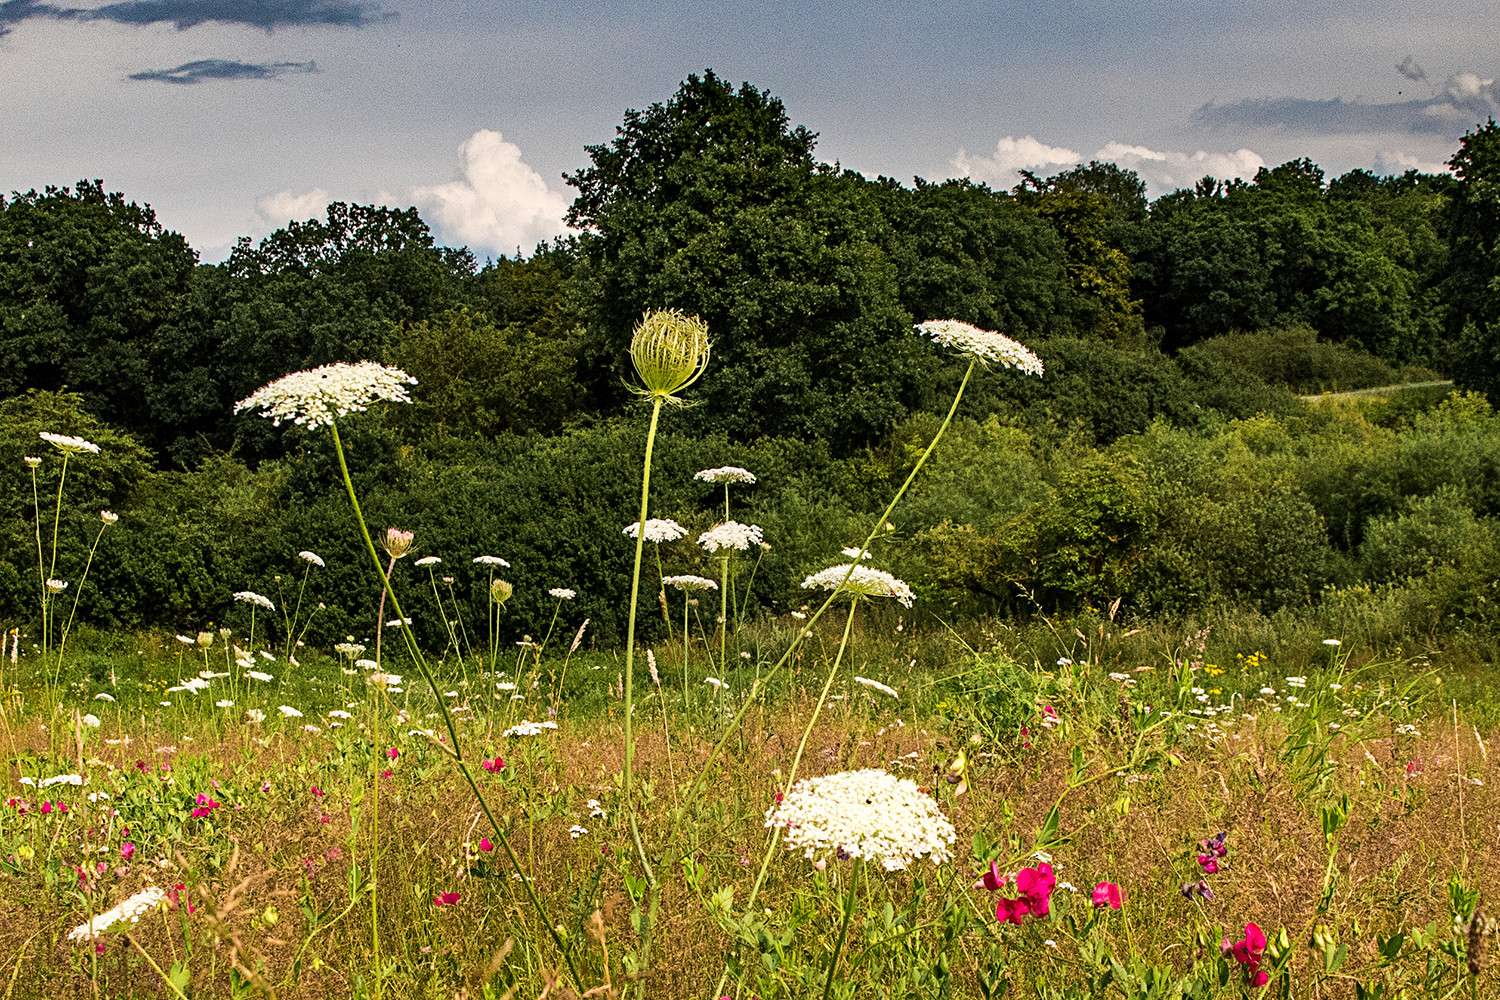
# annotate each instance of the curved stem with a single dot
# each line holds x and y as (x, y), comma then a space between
(63, 641)
(457, 751)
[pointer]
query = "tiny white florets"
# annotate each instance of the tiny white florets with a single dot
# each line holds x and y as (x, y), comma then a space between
(251, 597)
(563, 593)
(986, 345)
(725, 474)
(69, 443)
(730, 535)
(314, 398)
(658, 529)
(128, 911)
(311, 557)
(865, 814)
(863, 580)
(689, 582)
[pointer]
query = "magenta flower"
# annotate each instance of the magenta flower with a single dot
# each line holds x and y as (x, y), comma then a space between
(992, 880)
(1106, 894)
(316, 792)
(1010, 911)
(445, 899)
(1035, 885)
(46, 808)
(492, 766)
(1210, 866)
(485, 845)
(1248, 952)
(393, 753)
(127, 850)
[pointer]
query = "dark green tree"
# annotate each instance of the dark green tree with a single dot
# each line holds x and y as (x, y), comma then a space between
(1472, 285)
(86, 279)
(713, 203)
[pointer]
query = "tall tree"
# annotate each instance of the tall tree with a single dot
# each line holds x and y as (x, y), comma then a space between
(1472, 286)
(86, 279)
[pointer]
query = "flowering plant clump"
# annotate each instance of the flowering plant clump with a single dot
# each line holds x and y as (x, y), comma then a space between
(658, 529)
(863, 814)
(1033, 892)
(725, 474)
(983, 345)
(316, 397)
(864, 580)
(128, 911)
(1248, 952)
(68, 443)
(689, 582)
(251, 597)
(730, 535)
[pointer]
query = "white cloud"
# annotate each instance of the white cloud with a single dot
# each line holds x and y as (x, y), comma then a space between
(498, 204)
(1165, 171)
(282, 207)
(1388, 162)
(1162, 170)
(1012, 155)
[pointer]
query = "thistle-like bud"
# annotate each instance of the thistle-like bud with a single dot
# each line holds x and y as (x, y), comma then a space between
(396, 543)
(205, 638)
(669, 350)
(500, 591)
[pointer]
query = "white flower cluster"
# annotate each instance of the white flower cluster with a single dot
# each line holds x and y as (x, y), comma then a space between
(314, 398)
(525, 728)
(562, 593)
(866, 814)
(725, 474)
(985, 345)
(251, 597)
(658, 529)
(131, 910)
(689, 582)
(69, 443)
(853, 553)
(877, 686)
(864, 580)
(730, 535)
(350, 649)
(427, 561)
(311, 557)
(491, 561)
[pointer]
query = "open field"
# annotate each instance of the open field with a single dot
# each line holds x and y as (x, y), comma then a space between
(1357, 801)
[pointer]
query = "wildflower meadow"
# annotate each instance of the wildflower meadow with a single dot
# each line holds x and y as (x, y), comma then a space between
(858, 795)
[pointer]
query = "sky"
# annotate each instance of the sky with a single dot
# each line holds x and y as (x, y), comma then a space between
(233, 117)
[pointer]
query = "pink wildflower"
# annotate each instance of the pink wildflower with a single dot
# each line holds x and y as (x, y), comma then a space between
(1106, 894)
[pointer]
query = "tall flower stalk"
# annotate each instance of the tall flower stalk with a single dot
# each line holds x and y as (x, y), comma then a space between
(51, 587)
(670, 351)
(318, 398)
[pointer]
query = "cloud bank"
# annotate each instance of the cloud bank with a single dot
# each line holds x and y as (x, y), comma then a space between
(498, 203)
(283, 207)
(1162, 170)
(183, 14)
(223, 69)
(1465, 102)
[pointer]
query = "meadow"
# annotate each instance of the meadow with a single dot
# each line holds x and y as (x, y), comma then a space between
(843, 799)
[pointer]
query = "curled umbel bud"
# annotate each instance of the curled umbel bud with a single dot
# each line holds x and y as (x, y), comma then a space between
(500, 591)
(669, 350)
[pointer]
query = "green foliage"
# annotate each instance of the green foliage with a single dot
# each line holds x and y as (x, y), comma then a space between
(1473, 212)
(1297, 359)
(85, 279)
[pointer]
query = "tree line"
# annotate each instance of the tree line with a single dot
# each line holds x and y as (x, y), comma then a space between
(1181, 310)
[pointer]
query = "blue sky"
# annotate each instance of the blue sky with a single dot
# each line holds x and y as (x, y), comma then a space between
(232, 116)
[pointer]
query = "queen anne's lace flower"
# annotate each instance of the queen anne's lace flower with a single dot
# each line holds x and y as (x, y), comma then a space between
(315, 398)
(69, 443)
(525, 728)
(658, 529)
(562, 593)
(427, 561)
(864, 580)
(867, 814)
(491, 561)
(985, 345)
(251, 597)
(290, 712)
(311, 557)
(689, 582)
(730, 535)
(725, 474)
(129, 911)
(877, 686)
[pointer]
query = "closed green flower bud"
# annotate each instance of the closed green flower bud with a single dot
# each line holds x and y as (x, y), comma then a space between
(669, 350)
(500, 591)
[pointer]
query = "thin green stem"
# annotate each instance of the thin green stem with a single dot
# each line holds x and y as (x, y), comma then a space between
(41, 571)
(635, 591)
(838, 949)
(77, 594)
(457, 751)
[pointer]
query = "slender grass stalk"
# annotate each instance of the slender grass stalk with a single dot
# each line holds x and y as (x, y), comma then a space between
(77, 594)
(635, 590)
(41, 572)
(456, 751)
(838, 949)
(724, 613)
